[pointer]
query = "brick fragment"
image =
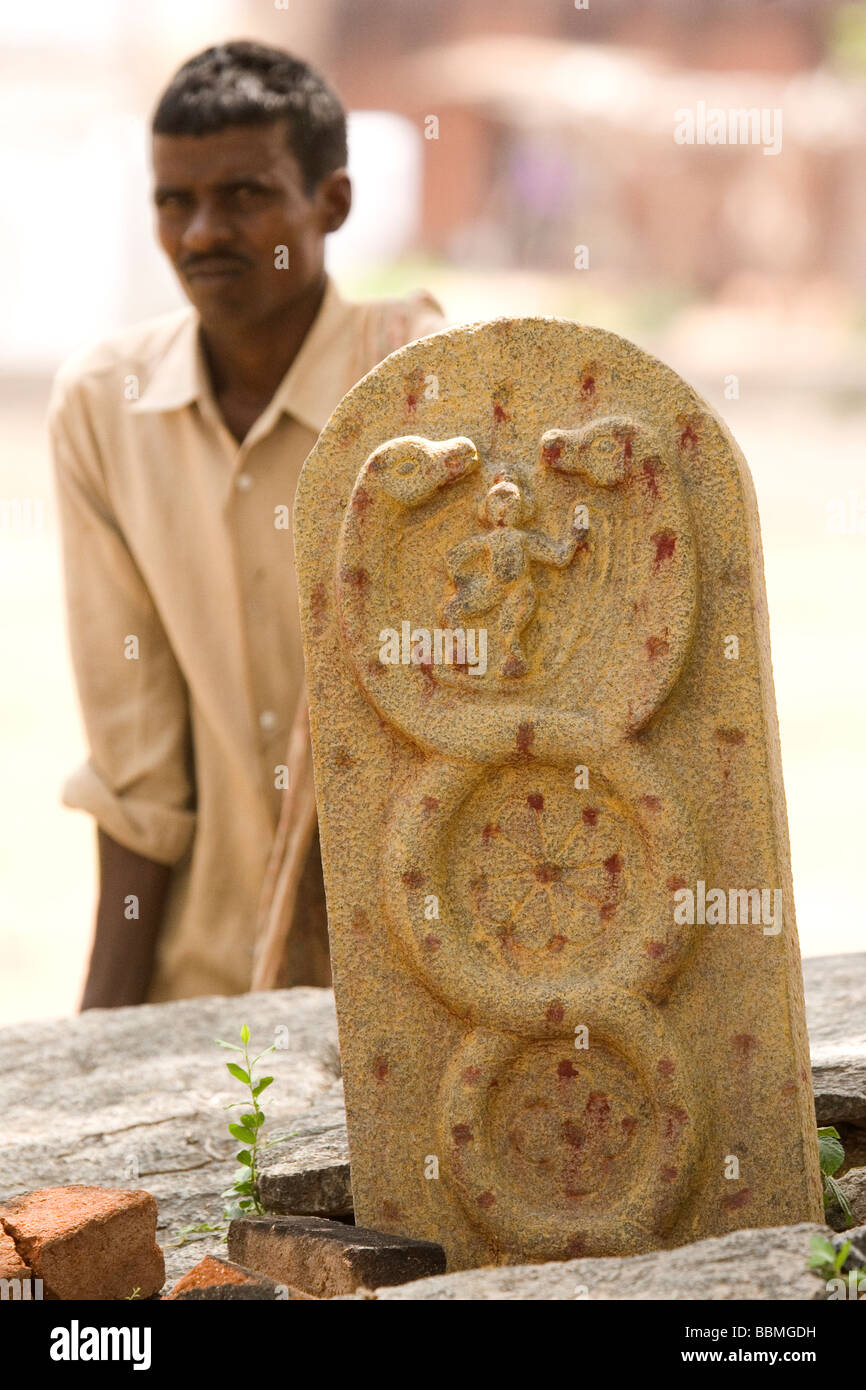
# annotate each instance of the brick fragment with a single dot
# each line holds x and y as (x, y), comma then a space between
(217, 1280)
(87, 1242)
(327, 1258)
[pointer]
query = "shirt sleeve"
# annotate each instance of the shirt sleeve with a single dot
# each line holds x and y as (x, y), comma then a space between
(137, 780)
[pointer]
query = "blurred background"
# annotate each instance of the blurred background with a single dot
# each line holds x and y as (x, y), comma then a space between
(489, 140)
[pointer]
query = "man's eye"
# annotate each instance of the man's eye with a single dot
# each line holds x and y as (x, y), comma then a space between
(246, 194)
(171, 202)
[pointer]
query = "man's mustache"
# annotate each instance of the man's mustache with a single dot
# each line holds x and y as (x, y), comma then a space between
(215, 261)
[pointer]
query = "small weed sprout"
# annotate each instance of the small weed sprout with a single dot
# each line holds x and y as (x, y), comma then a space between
(831, 1156)
(243, 1191)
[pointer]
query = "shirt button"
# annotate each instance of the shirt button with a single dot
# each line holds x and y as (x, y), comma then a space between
(243, 482)
(268, 721)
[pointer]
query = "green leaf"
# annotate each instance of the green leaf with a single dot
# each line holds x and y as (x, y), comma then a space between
(232, 1047)
(261, 1084)
(821, 1252)
(234, 1211)
(245, 1203)
(834, 1196)
(238, 1072)
(249, 1120)
(831, 1154)
(246, 1136)
(245, 1035)
(244, 1187)
(245, 1157)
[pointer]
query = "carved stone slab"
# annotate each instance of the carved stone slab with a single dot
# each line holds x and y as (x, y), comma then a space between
(548, 777)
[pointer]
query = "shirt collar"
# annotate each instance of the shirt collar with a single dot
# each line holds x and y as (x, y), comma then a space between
(310, 390)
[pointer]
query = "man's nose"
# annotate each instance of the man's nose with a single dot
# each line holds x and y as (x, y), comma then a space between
(209, 227)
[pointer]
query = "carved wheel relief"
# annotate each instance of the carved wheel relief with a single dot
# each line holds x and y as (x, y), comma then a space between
(552, 889)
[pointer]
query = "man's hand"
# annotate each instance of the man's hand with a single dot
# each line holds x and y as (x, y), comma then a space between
(121, 960)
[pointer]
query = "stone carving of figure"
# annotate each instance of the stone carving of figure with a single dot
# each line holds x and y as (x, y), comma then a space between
(492, 572)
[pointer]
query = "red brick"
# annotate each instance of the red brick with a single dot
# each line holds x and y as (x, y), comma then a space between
(88, 1242)
(222, 1281)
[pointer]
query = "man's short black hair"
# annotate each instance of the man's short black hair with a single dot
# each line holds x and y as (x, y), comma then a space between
(246, 83)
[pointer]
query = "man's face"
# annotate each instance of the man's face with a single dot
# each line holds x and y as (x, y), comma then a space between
(225, 205)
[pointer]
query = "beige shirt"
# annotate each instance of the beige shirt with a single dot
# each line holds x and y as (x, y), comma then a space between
(183, 611)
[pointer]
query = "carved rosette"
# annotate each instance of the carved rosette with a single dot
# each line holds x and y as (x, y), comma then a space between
(529, 865)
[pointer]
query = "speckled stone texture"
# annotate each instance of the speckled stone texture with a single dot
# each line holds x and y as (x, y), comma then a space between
(542, 1059)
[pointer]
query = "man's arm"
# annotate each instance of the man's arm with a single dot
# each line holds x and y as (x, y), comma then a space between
(132, 893)
(138, 781)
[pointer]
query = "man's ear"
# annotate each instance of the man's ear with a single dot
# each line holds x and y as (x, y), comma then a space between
(334, 199)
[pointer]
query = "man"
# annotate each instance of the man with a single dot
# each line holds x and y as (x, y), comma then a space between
(177, 447)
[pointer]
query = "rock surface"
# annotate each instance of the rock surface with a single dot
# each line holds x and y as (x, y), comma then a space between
(134, 1097)
(767, 1264)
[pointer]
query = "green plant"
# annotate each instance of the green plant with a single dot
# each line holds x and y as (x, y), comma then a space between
(203, 1228)
(244, 1189)
(826, 1260)
(831, 1156)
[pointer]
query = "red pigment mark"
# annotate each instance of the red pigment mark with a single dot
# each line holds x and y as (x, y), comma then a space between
(391, 1211)
(652, 803)
(554, 1013)
(375, 668)
(789, 1088)
(627, 450)
(488, 832)
(613, 865)
(575, 1246)
(657, 646)
(556, 943)
(689, 437)
(536, 801)
(597, 1108)
(587, 386)
(411, 402)
(675, 1121)
(732, 736)
(360, 920)
(318, 607)
(655, 949)
(666, 1067)
(547, 873)
(553, 451)
(674, 884)
(649, 476)
(343, 758)
(499, 413)
(380, 1068)
(470, 1075)
(628, 1125)
(432, 942)
(361, 500)
(413, 878)
(512, 667)
(573, 1135)
(606, 911)
(744, 1045)
(670, 1174)
(565, 1070)
(589, 815)
(462, 1134)
(665, 543)
(526, 738)
(430, 803)
(357, 579)
(485, 1199)
(736, 1200)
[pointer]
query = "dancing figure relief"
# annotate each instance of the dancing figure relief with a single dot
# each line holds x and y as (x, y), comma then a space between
(492, 571)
